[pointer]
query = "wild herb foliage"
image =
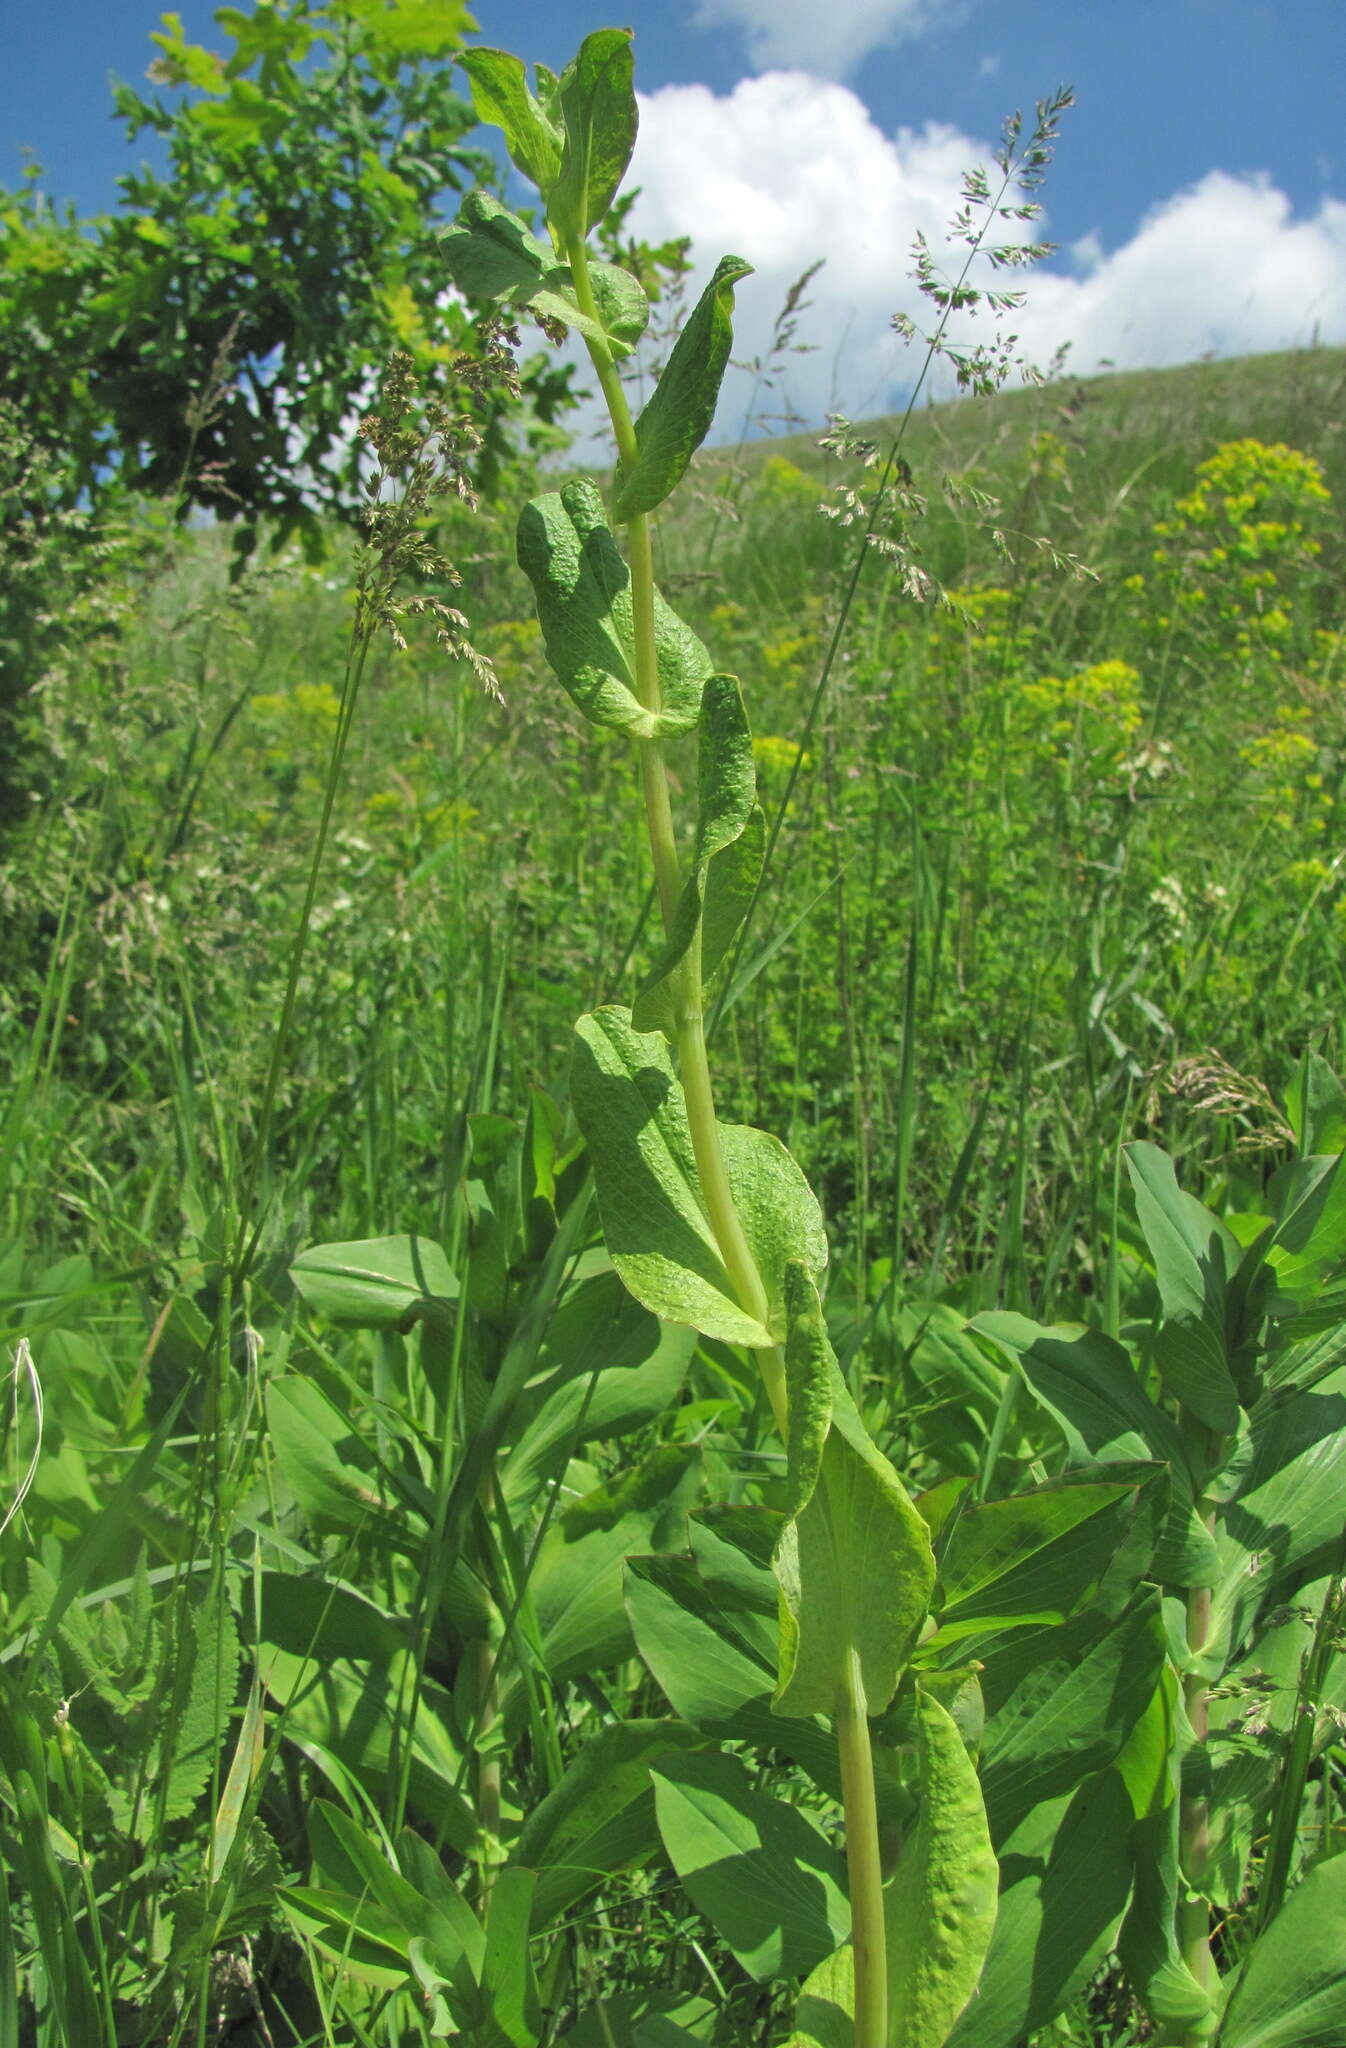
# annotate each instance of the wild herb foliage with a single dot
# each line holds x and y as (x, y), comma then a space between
(423, 1616)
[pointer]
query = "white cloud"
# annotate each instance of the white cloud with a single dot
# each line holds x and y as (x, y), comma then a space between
(1223, 268)
(787, 168)
(827, 40)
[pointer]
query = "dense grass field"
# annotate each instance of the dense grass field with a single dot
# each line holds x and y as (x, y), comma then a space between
(1058, 862)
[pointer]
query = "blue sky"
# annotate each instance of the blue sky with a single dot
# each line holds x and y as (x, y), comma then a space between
(1199, 193)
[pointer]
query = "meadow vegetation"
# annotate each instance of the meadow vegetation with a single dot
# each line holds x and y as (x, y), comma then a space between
(389, 1619)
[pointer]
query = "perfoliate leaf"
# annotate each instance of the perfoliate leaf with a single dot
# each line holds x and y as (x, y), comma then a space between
(940, 1906)
(500, 95)
(854, 1565)
(678, 416)
(491, 254)
(583, 591)
(760, 1870)
(633, 1115)
(728, 859)
(597, 104)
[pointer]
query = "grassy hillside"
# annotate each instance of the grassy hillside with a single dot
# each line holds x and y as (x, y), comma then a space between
(1058, 861)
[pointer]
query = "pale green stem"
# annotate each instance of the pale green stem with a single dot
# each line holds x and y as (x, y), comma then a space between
(864, 1868)
(852, 1722)
(693, 1065)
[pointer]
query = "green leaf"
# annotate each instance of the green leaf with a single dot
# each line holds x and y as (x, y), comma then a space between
(1061, 1704)
(333, 1475)
(730, 838)
(1065, 1875)
(678, 416)
(1035, 1557)
(631, 1110)
(510, 2011)
(373, 1283)
(1148, 1942)
(205, 1716)
(597, 105)
(599, 1819)
(491, 253)
(350, 1859)
(854, 1564)
(710, 1657)
(1292, 1991)
(1193, 1257)
(760, 1870)
(576, 1583)
(350, 1710)
(1087, 1382)
(1316, 1102)
(607, 1367)
(500, 95)
(824, 2016)
(1285, 1517)
(940, 1905)
(583, 591)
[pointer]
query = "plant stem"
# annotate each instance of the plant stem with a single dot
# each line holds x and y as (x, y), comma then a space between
(852, 1722)
(693, 1065)
(863, 1866)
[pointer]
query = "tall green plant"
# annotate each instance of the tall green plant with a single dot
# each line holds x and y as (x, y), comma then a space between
(709, 1224)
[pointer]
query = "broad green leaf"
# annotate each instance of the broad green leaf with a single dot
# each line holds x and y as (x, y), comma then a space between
(727, 859)
(375, 1282)
(509, 2010)
(710, 1657)
(576, 1583)
(597, 105)
(1292, 1991)
(1088, 1383)
(1065, 1876)
(824, 2016)
(1309, 1246)
(1148, 1941)
(350, 1859)
(352, 1930)
(1034, 1557)
(854, 1565)
(356, 1711)
(583, 591)
(1285, 1517)
(599, 1819)
(1316, 1102)
(1194, 1255)
(651, 2019)
(760, 1870)
(500, 95)
(607, 1367)
(940, 1904)
(333, 1475)
(631, 1109)
(1061, 1703)
(678, 416)
(490, 253)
